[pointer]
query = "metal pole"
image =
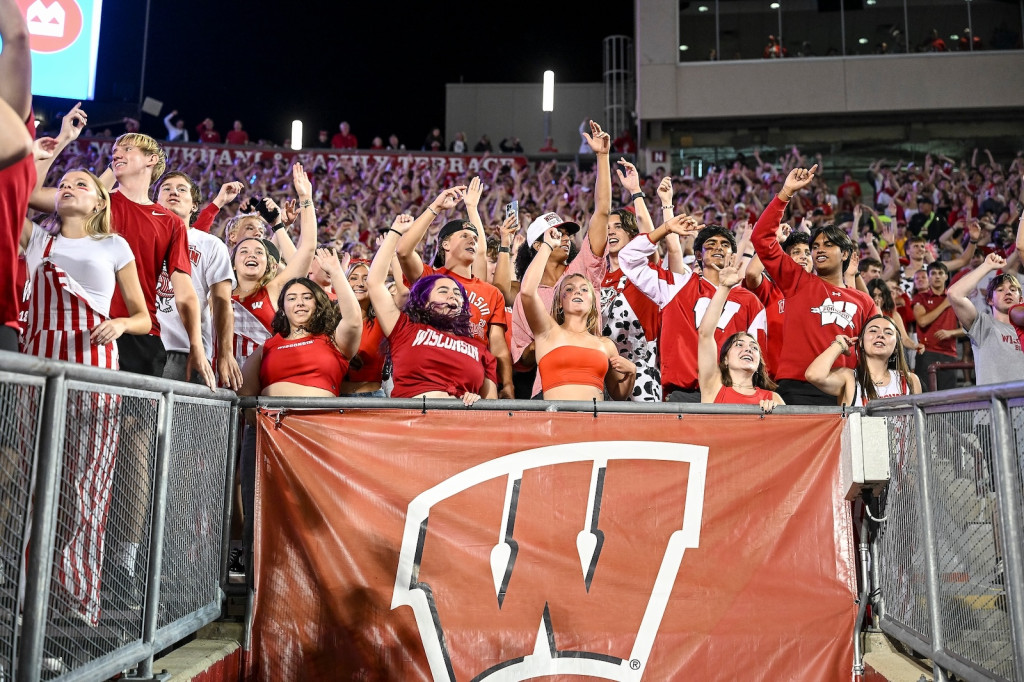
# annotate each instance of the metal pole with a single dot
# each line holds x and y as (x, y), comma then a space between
(906, 28)
(970, 33)
(142, 76)
(1010, 506)
(156, 540)
(44, 520)
(931, 561)
(547, 126)
(842, 26)
(718, 34)
(229, 493)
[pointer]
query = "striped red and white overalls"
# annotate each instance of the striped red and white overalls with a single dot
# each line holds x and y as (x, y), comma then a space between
(250, 333)
(60, 318)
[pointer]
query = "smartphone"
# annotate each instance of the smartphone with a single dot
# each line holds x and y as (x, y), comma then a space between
(252, 179)
(512, 208)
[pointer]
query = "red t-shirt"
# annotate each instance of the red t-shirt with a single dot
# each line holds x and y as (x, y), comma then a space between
(486, 304)
(371, 355)
(16, 183)
(426, 359)
(816, 311)
(204, 221)
(770, 296)
(946, 320)
(342, 141)
(158, 239)
(210, 136)
(237, 137)
(311, 361)
(260, 306)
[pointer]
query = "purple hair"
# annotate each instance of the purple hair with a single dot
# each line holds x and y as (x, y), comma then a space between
(419, 308)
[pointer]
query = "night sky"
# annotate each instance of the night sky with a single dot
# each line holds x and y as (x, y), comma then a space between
(380, 66)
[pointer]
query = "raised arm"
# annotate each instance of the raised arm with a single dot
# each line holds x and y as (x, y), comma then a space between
(630, 180)
(974, 231)
(472, 201)
(350, 328)
(633, 261)
(959, 292)
(503, 268)
(600, 143)
(376, 280)
(15, 64)
(412, 265)
(536, 316)
(298, 264)
(15, 142)
(71, 126)
(709, 375)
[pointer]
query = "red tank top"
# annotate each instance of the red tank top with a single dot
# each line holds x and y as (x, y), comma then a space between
(311, 361)
(727, 394)
(573, 365)
(370, 356)
(258, 303)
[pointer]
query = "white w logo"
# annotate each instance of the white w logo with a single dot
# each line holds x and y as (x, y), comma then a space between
(840, 313)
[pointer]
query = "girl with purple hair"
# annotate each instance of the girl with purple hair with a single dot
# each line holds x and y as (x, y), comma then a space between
(433, 351)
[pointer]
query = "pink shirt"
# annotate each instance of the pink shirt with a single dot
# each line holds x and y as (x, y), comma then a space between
(594, 268)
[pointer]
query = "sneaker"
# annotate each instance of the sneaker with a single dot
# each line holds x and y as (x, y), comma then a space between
(235, 561)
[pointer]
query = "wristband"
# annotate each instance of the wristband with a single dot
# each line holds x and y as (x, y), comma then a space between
(306, 204)
(974, 241)
(505, 249)
(638, 195)
(749, 254)
(400, 234)
(280, 226)
(667, 208)
(431, 209)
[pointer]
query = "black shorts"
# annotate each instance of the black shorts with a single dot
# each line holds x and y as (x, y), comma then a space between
(143, 354)
(795, 392)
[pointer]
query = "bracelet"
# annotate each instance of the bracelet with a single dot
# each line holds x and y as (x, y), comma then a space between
(431, 209)
(749, 254)
(974, 241)
(505, 249)
(787, 199)
(306, 204)
(400, 234)
(841, 344)
(280, 226)
(637, 195)
(667, 208)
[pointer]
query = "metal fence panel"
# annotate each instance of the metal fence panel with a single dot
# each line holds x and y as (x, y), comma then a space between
(20, 409)
(199, 455)
(101, 549)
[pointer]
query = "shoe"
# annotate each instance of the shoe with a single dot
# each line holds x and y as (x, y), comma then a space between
(235, 561)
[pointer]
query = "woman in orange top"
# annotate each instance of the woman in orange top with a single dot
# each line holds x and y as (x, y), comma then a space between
(737, 374)
(575, 362)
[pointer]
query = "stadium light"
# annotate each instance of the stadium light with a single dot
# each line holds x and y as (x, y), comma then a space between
(296, 134)
(548, 99)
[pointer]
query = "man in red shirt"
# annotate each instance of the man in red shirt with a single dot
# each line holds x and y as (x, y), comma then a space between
(818, 306)
(344, 139)
(238, 136)
(206, 132)
(17, 170)
(461, 245)
(938, 329)
(159, 241)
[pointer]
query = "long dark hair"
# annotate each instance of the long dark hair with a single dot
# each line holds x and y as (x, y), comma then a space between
(896, 361)
(420, 309)
(760, 378)
(324, 319)
(878, 285)
(526, 253)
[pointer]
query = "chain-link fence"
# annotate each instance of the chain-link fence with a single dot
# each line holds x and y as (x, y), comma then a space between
(949, 553)
(115, 484)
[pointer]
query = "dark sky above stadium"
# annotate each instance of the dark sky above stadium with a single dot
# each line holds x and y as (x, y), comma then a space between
(381, 66)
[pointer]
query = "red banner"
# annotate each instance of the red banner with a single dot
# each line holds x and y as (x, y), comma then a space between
(464, 545)
(179, 153)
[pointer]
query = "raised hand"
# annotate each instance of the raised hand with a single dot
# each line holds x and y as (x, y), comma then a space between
(291, 211)
(630, 179)
(472, 197)
(665, 190)
(72, 125)
(684, 225)
(229, 191)
(600, 142)
(327, 259)
(729, 273)
(797, 179)
(509, 228)
(303, 187)
(449, 198)
(974, 230)
(994, 261)
(44, 148)
(782, 234)
(401, 223)
(845, 342)
(553, 238)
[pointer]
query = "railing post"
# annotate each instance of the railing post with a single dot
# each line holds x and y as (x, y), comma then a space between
(165, 422)
(229, 491)
(49, 461)
(1010, 504)
(931, 561)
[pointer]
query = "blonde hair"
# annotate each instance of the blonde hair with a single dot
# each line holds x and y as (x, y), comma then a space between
(148, 146)
(271, 271)
(232, 225)
(558, 313)
(97, 223)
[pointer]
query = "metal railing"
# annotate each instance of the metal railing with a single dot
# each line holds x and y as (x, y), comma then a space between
(949, 557)
(116, 485)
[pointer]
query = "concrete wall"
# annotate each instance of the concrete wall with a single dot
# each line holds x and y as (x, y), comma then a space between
(514, 109)
(833, 85)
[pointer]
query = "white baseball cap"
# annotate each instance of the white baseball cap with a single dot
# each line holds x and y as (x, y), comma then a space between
(544, 223)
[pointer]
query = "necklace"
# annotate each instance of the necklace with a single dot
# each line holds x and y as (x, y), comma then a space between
(750, 386)
(883, 382)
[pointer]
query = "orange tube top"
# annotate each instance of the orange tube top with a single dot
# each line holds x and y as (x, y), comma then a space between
(573, 365)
